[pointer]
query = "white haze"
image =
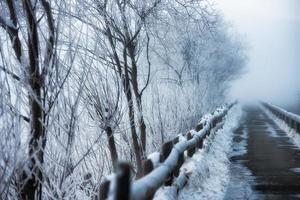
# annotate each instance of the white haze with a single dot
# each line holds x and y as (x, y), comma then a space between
(272, 30)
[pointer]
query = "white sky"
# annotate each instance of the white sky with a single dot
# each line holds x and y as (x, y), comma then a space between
(272, 31)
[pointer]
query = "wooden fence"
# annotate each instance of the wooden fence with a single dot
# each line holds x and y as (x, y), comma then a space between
(167, 172)
(292, 120)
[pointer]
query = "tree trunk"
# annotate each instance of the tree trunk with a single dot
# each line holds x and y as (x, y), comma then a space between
(138, 97)
(31, 188)
(142, 125)
(134, 136)
(112, 146)
(128, 93)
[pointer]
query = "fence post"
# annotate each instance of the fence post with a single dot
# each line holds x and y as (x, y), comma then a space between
(199, 127)
(200, 143)
(147, 166)
(104, 189)
(123, 182)
(175, 140)
(192, 150)
(165, 152)
(180, 159)
(294, 125)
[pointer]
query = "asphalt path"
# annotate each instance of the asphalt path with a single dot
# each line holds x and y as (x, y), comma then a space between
(265, 164)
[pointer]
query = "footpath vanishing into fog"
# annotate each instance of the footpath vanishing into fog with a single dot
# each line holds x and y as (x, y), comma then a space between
(265, 163)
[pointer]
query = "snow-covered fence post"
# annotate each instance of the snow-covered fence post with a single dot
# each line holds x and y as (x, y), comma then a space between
(200, 144)
(286, 119)
(121, 187)
(292, 120)
(213, 122)
(192, 150)
(104, 189)
(298, 127)
(293, 124)
(147, 166)
(180, 159)
(199, 127)
(165, 152)
(175, 140)
(123, 181)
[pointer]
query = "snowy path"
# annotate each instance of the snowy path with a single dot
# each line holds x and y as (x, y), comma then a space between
(265, 164)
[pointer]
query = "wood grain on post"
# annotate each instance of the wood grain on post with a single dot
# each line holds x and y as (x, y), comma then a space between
(212, 123)
(219, 119)
(200, 144)
(165, 152)
(123, 181)
(179, 164)
(215, 121)
(208, 131)
(104, 189)
(192, 150)
(180, 159)
(294, 125)
(286, 119)
(199, 127)
(147, 166)
(175, 140)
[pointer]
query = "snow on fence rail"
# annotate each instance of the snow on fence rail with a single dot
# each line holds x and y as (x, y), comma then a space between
(167, 172)
(291, 119)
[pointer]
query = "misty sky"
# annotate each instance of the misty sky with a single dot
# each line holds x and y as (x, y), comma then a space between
(272, 28)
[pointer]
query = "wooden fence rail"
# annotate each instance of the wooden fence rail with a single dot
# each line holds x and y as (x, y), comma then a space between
(168, 172)
(291, 119)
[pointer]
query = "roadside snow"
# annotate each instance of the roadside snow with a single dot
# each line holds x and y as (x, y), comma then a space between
(209, 166)
(284, 126)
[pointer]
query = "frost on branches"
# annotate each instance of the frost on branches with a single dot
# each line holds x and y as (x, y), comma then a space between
(87, 83)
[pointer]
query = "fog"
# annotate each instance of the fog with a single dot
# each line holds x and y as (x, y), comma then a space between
(271, 29)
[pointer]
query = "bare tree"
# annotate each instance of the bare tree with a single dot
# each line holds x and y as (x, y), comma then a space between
(122, 29)
(34, 48)
(104, 97)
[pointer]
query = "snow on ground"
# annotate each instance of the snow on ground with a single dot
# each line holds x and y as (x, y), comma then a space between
(284, 126)
(240, 148)
(209, 166)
